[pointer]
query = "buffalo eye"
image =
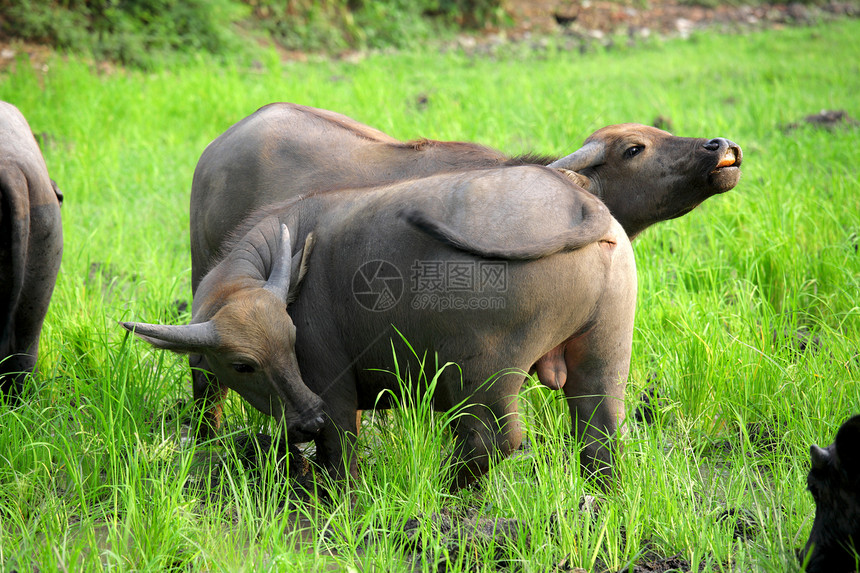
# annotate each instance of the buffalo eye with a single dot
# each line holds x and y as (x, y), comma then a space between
(242, 368)
(633, 151)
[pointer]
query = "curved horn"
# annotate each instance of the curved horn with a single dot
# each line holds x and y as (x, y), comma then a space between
(820, 457)
(178, 338)
(588, 155)
(279, 278)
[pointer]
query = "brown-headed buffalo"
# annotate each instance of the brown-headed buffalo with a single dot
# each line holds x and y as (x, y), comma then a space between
(535, 285)
(834, 481)
(643, 174)
(31, 246)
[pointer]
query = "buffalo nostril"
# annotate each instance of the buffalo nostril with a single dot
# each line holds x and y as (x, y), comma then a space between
(716, 143)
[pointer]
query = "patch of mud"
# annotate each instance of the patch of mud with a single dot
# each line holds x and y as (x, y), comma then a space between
(825, 119)
(796, 342)
(745, 526)
(651, 404)
(580, 25)
(649, 562)
(469, 535)
(653, 563)
(255, 453)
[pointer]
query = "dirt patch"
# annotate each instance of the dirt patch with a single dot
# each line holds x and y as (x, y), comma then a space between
(669, 17)
(653, 563)
(459, 536)
(827, 119)
(582, 24)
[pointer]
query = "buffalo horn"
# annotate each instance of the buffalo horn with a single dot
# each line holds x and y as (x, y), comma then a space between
(588, 155)
(179, 338)
(279, 278)
(819, 456)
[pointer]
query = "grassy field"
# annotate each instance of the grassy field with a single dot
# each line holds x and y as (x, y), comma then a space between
(747, 322)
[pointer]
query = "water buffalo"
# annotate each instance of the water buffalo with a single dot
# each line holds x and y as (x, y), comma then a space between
(31, 246)
(561, 284)
(643, 174)
(834, 481)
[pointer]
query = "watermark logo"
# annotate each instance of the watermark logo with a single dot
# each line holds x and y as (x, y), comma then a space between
(377, 285)
(459, 276)
(433, 285)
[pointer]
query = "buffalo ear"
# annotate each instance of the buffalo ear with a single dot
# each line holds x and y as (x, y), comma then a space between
(577, 178)
(183, 339)
(57, 191)
(299, 266)
(848, 446)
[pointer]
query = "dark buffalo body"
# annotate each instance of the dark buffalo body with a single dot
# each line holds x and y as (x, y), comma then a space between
(31, 246)
(834, 481)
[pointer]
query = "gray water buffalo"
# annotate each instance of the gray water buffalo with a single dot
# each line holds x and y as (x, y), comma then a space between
(643, 174)
(31, 246)
(834, 482)
(553, 287)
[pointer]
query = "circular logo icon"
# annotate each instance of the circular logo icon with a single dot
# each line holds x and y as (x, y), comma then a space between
(377, 285)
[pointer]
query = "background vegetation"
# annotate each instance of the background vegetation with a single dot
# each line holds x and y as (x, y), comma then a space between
(144, 32)
(747, 322)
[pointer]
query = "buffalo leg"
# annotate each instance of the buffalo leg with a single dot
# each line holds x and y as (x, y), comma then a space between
(208, 395)
(333, 382)
(336, 451)
(488, 431)
(597, 367)
(13, 371)
(44, 247)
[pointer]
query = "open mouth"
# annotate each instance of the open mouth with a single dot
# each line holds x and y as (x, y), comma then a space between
(730, 159)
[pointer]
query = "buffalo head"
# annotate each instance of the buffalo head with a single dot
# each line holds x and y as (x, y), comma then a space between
(249, 344)
(646, 175)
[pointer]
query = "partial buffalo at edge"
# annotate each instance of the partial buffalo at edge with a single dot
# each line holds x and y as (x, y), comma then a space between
(31, 247)
(834, 482)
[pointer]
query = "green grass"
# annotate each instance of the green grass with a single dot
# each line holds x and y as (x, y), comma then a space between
(93, 475)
